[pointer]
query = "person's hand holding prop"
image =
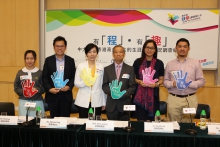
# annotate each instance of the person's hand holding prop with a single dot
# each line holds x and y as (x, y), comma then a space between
(87, 78)
(57, 78)
(148, 76)
(115, 89)
(181, 83)
(28, 90)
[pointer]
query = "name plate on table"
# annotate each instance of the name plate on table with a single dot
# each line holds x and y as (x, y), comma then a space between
(158, 127)
(129, 108)
(214, 129)
(189, 111)
(100, 125)
(53, 123)
(30, 104)
(8, 120)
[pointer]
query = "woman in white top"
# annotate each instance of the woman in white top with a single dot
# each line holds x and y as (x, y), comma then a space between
(88, 78)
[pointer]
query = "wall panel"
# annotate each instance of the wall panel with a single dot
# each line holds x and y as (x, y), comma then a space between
(27, 28)
(145, 3)
(176, 4)
(83, 4)
(7, 35)
(57, 4)
(205, 4)
(114, 4)
(4, 92)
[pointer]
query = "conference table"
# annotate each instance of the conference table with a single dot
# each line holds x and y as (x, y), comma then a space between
(78, 136)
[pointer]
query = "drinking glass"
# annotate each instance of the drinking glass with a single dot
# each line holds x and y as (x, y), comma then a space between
(98, 117)
(4, 113)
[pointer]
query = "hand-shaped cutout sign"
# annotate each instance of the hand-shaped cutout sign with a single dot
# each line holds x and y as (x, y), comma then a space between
(27, 87)
(148, 76)
(57, 78)
(87, 78)
(115, 89)
(180, 80)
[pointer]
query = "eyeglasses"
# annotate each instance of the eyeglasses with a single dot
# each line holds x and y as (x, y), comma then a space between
(59, 46)
(149, 48)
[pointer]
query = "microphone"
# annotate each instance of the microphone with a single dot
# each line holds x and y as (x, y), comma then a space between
(129, 128)
(27, 123)
(190, 131)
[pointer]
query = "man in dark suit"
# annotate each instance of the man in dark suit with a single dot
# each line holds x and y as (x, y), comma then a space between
(124, 74)
(59, 69)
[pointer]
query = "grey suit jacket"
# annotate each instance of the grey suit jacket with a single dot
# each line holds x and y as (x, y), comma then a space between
(128, 85)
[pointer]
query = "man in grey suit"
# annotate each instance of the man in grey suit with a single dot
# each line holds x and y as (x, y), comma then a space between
(119, 85)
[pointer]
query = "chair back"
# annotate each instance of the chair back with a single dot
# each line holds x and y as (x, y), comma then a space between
(46, 108)
(163, 108)
(7, 107)
(74, 109)
(201, 107)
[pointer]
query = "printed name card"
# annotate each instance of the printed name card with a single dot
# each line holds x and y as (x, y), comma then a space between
(30, 104)
(189, 110)
(214, 129)
(53, 123)
(100, 125)
(158, 127)
(8, 120)
(129, 108)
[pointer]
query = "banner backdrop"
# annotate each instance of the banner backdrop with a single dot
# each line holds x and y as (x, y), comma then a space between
(130, 28)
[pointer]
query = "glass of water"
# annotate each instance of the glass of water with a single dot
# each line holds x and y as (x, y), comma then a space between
(3, 113)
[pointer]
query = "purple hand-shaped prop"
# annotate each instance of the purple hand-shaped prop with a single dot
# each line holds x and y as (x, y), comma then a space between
(148, 76)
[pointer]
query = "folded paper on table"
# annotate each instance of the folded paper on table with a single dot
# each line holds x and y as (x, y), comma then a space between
(73, 120)
(8, 120)
(120, 124)
(53, 123)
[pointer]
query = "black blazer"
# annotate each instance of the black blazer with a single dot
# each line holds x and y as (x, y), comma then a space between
(50, 68)
(128, 85)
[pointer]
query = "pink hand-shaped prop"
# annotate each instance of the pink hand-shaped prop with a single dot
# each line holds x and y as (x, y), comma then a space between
(148, 76)
(27, 87)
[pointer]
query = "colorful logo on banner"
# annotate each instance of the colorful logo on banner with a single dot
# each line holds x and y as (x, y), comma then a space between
(181, 83)
(173, 18)
(28, 90)
(115, 89)
(186, 18)
(57, 79)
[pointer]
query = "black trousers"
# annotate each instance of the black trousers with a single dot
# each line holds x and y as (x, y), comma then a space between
(83, 112)
(60, 106)
(117, 115)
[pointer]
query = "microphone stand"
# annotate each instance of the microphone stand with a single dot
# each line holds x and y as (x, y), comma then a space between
(27, 123)
(190, 131)
(128, 128)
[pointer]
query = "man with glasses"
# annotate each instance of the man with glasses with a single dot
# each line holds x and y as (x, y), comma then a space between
(58, 79)
(183, 76)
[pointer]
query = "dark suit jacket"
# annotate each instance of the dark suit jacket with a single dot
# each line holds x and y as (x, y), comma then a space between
(50, 68)
(128, 85)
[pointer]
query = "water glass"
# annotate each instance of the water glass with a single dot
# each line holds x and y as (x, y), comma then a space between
(3, 113)
(211, 121)
(98, 117)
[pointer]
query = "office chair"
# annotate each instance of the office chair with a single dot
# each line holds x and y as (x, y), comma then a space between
(201, 107)
(45, 106)
(74, 109)
(163, 108)
(8, 107)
